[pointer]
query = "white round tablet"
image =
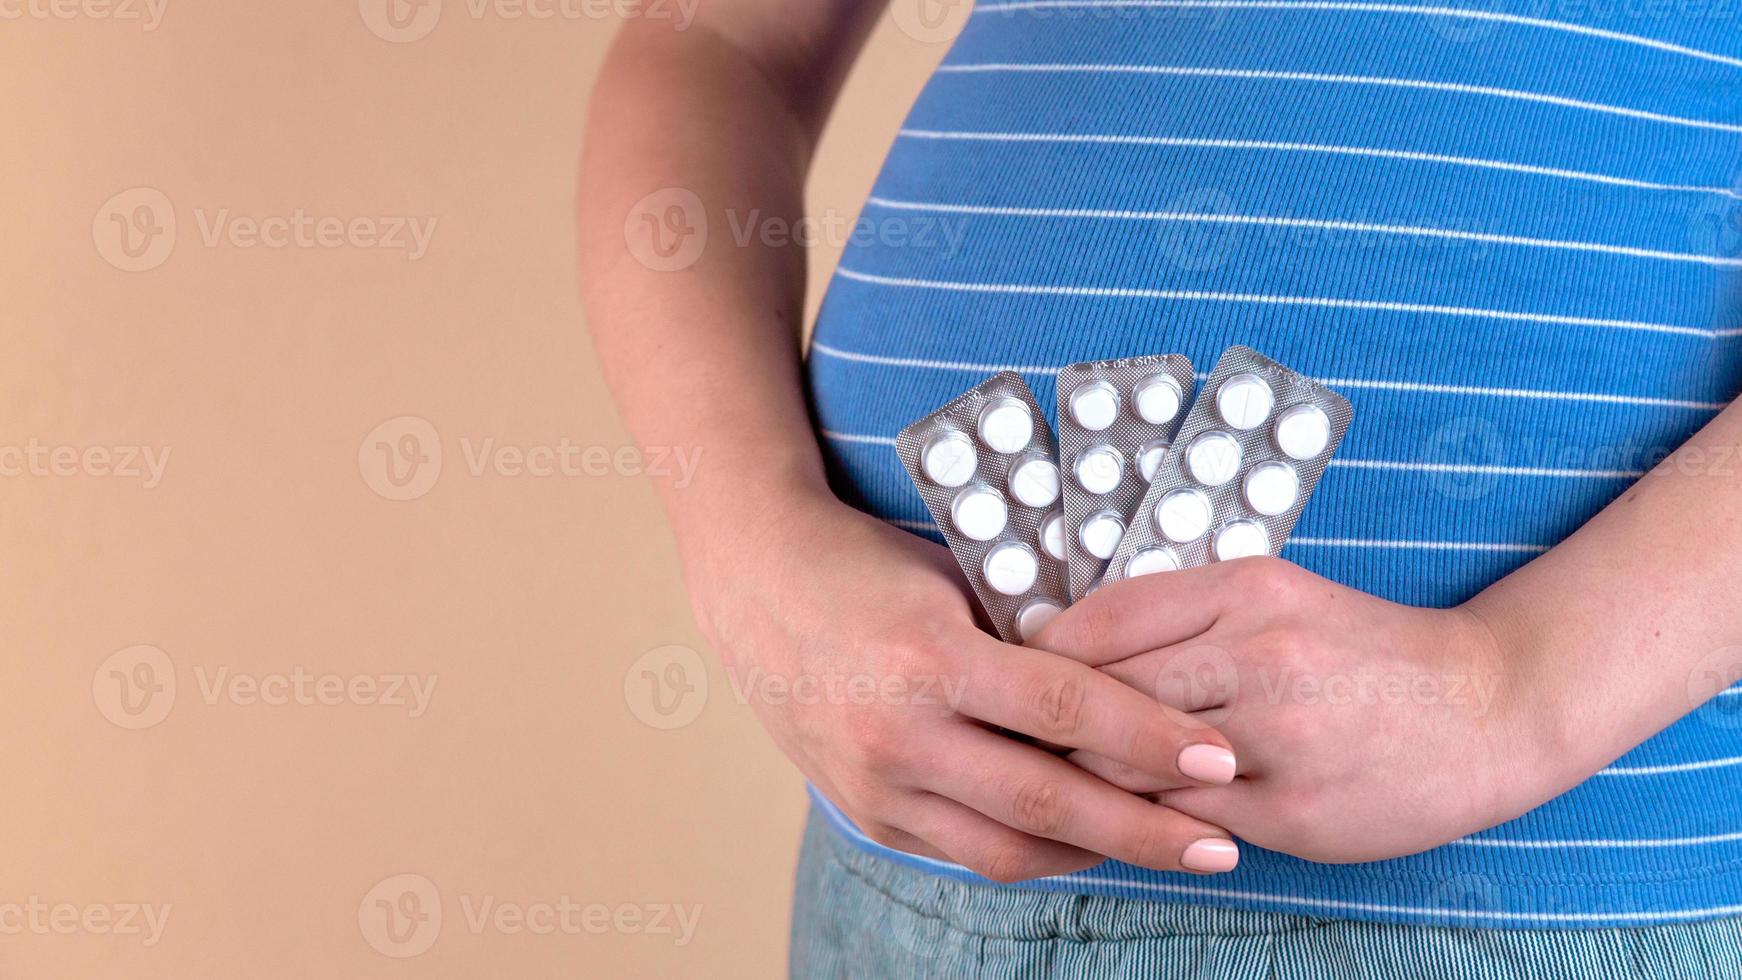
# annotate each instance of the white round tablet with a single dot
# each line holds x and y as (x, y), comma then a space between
(1095, 405)
(1241, 539)
(1213, 458)
(1271, 488)
(1034, 616)
(1244, 400)
(1100, 534)
(1158, 399)
(979, 513)
(1052, 535)
(1011, 568)
(1034, 481)
(1099, 469)
(1151, 560)
(1183, 515)
(1006, 424)
(1149, 456)
(1303, 431)
(949, 459)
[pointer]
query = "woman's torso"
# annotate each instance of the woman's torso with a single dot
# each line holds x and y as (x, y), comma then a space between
(1509, 235)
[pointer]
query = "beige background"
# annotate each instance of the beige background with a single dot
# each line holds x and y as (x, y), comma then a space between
(263, 550)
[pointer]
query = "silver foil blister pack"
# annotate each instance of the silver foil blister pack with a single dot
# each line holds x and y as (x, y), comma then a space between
(987, 468)
(1116, 421)
(1242, 467)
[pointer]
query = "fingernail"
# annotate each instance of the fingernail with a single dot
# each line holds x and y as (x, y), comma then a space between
(1212, 854)
(1207, 764)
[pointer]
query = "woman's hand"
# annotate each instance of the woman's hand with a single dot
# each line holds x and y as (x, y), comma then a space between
(1364, 729)
(903, 693)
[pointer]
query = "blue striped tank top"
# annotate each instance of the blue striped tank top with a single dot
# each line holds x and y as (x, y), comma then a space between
(1507, 231)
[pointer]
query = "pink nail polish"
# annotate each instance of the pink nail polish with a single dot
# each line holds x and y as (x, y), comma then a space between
(1207, 764)
(1213, 854)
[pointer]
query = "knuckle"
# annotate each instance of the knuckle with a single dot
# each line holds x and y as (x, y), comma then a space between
(1006, 864)
(1040, 807)
(1270, 578)
(1058, 705)
(1152, 846)
(875, 742)
(1090, 626)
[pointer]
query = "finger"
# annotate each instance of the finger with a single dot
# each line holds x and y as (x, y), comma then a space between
(1122, 619)
(1044, 796)
(1125, 777)
(1224, 805)
(1065, 703)
(988, 848)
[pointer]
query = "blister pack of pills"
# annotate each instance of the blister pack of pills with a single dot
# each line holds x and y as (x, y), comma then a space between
(1242, 467)
(1116, 420)
(986, 466)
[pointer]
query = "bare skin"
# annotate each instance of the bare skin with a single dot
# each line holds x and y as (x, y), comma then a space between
(788, 582)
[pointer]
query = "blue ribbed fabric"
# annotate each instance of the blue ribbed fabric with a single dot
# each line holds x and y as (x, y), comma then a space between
(1507, 233)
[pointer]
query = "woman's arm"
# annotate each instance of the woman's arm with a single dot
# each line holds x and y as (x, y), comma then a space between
(700, 345)
(1368, 730)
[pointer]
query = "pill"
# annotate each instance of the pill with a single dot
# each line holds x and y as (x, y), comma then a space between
(1052, 535)
(1241, 539)
(1011, 568)
(1099, 469)
(1303, 431)
(1100, 534)
(1158, 399)
(1034, 481)
(1034, 616)
(1271, 488)
(1006, 424)
(949, 459)
(1095, 405)
(1151, 560)
(1213, 458)
(1244, 400)
(979, 513)
(1183, 515)
(1149, 456)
